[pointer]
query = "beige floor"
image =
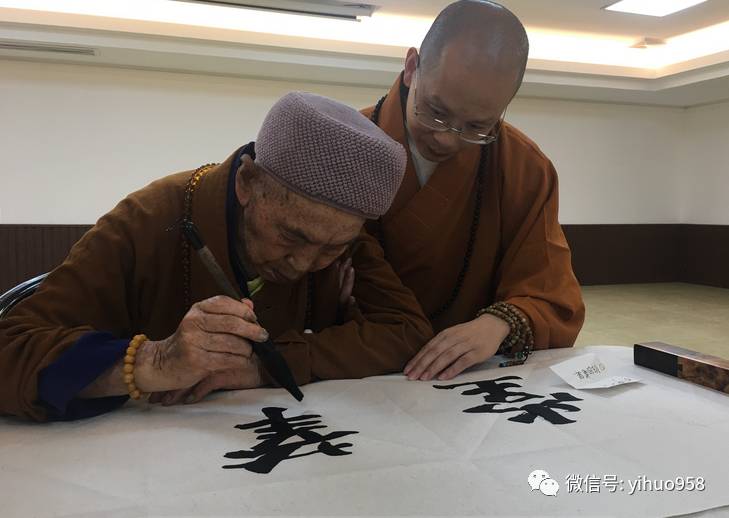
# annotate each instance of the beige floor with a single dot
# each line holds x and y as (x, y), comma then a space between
(688, 315)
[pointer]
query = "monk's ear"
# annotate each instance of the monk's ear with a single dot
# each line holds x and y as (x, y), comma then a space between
(411, 64)
(243, 180)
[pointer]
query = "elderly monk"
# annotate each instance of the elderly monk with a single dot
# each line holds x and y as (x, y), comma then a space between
(276, 215)
(473, 230)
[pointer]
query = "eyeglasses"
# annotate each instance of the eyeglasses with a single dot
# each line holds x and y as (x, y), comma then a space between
(431, 121)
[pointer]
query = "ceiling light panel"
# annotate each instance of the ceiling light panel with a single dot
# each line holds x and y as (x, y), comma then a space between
(652, 7)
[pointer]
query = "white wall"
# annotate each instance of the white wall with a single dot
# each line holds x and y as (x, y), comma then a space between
(616, 163)
(704, 169)
(76, 139)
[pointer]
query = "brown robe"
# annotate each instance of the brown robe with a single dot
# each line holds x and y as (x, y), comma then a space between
(520, 255)
(125, 276)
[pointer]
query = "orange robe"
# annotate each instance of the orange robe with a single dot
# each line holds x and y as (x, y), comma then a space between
(125, 276)
(520, 255)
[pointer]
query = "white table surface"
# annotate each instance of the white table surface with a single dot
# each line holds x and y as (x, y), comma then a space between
(416, 452)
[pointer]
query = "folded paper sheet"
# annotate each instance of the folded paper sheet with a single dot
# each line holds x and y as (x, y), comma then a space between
(509, 441)
(588, 371)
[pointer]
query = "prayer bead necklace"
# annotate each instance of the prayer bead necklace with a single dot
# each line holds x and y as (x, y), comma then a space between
(473, 231)
(192, 184)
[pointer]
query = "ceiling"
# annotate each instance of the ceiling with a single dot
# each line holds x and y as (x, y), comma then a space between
(584, 16)
(578, 50)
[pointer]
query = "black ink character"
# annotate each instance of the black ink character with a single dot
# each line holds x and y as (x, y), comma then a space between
(497, 394)
(546, 409)
(495, 390)
(277, 430)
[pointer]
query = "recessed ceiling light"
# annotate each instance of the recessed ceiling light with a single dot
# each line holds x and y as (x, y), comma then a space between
(652, 7)
(647, 42)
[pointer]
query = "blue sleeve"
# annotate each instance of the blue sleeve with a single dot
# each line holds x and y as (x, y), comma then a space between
(74, 370)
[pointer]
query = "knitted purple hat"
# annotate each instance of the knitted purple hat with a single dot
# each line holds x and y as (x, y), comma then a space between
(331, 154)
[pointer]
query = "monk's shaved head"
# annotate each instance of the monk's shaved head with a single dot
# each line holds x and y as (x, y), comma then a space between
(468, 69)
(483, 34)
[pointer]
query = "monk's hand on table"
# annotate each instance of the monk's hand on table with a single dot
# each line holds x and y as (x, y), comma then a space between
(457, 348)
(214, 336)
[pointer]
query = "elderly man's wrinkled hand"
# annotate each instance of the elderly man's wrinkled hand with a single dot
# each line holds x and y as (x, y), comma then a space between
(457, 348)
(214, 336)
(232, 379)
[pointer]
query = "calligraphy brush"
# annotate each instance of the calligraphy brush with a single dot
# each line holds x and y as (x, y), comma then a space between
(272, 360)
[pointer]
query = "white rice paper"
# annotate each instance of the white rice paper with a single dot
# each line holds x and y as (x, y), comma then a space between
(416, 452)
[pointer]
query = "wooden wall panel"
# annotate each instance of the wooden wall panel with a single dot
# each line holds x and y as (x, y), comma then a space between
(601, 254)
(625, 254)
(705, 254)
(29, 250)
